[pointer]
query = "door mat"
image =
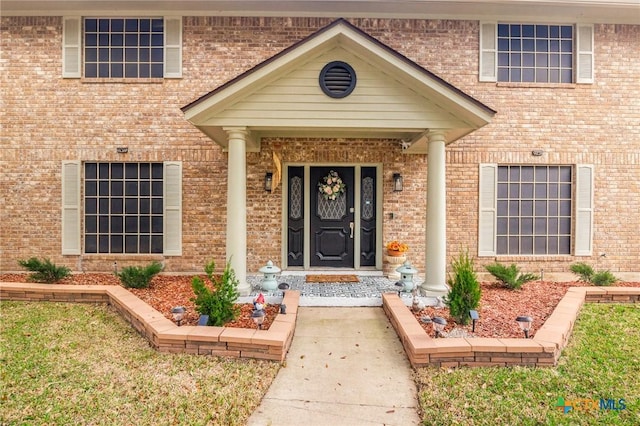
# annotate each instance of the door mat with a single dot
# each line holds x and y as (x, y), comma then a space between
(332, 279)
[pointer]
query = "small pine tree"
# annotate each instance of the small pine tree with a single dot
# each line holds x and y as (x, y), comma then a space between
(510, 276)
(219, 303)
(139, 277)
(465, 289)
(583, 270)
(44, 271)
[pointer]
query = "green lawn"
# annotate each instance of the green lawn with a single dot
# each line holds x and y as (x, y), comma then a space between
(602, 360)
(82, 364)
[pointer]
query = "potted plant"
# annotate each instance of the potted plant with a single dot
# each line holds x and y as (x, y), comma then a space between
(396, 248)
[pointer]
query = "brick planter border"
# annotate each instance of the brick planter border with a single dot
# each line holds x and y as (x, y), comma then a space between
(542, 351)
(163, 334)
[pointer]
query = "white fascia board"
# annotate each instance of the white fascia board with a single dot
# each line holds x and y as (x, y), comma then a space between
(596, 11)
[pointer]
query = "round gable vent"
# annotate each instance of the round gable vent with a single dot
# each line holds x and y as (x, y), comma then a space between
(337, 79)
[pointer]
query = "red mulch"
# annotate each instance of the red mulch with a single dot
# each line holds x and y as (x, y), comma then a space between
(164, 293)
(498, 306)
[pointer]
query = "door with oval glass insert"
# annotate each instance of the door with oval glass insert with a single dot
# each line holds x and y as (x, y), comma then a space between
(332, 217)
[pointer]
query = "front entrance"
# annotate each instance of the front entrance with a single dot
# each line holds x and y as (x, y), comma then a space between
(332, 215)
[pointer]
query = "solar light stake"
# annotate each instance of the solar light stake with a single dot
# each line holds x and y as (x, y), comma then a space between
(525, 324)
(438, 325)
(178, 314)
(474, 318)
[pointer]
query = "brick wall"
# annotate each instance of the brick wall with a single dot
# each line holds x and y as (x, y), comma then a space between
(46, 119)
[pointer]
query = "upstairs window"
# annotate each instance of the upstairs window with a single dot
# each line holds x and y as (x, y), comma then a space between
(535, 53)
(114, 48)
(123, 48)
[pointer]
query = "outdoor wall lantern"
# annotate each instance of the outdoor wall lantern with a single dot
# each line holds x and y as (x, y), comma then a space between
(406, 275)
(397, 182)
(178, 314)
(268, 180)
(525, 324)
(474, 318)
(438, 325)
(269, 282)
(258, 317)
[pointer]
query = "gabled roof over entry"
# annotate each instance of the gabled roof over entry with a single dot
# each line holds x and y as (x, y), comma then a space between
(393, 96)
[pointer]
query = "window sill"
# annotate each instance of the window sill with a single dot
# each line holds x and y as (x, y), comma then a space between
(122, 80)
(534, 257)
(537, 85)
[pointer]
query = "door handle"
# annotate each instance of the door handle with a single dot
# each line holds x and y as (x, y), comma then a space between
(351, 226)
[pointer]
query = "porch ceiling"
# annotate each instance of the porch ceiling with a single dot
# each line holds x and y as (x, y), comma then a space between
(394, 97)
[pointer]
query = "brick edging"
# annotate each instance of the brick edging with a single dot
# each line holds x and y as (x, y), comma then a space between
(163, 334)
(542, 351)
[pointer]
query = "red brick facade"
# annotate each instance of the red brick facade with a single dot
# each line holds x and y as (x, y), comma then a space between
(47, 119)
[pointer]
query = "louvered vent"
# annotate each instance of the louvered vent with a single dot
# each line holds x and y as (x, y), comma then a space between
(337, 79)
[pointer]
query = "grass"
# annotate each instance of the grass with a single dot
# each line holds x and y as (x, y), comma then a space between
(82, 364)
(602, 360)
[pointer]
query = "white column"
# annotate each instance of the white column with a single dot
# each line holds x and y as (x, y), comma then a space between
(436, 236)
(237, 206)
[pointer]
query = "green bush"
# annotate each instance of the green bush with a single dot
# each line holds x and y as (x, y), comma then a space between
(139, 277)
(603, 278)
(465, 289)
(44, 271)
(510, 276)
(583, 270)
(220, 302)
(587, 274)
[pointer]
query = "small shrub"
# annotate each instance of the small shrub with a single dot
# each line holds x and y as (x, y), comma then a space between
(587, 274)
(218, 303)
(583, 270)
(139, 277)
(603, 278)
(510, 276)
(44, 271)
(465, 289)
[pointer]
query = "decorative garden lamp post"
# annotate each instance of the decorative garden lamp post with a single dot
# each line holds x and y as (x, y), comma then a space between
(525, 324)
(178, 314)
(438, 325)
(406, 275)
(269, 282)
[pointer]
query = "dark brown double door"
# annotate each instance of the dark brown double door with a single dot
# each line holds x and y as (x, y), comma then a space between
(335, 223)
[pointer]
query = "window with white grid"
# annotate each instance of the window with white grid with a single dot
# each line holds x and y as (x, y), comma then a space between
(123, 207)
(123, 47)
(533, 210)
(535, 53)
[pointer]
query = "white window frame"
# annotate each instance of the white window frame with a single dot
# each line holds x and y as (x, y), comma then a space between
(72, 214)
(72, 47)
(584, 60)
(583, 211)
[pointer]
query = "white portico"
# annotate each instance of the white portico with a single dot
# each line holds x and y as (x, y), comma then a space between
(392, 98)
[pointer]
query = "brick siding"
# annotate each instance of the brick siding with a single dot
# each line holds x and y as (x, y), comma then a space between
(46, 119)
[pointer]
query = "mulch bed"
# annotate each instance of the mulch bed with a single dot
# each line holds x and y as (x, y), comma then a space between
(498, 309)
(500, 306)
(164, 293)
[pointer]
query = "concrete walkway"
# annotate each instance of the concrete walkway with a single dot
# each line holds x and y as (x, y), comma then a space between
(345, 366)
